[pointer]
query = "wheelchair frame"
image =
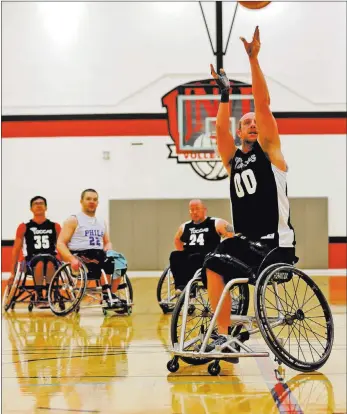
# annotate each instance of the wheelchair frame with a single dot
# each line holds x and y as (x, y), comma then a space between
(95, 293)
(26, 291)
(252, 324)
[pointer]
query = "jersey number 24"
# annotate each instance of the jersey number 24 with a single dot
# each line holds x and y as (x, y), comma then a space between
(196, 239)
(245, 180)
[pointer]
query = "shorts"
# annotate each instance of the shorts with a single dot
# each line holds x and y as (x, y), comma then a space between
(95, 261)
(239, 257)
(183, 265)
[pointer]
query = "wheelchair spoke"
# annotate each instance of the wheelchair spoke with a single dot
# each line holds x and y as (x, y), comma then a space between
(281, 300)
(313, 308)
(289, 336)
(287, 294)
(323, 326)
(295, 290)
(299, 347)
(315, 333)
(271, 307)
(313, 295)
(306, 339)
(310, 345)
(303, 301)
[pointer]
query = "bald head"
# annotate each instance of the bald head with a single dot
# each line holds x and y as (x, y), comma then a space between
(197, 210)
(247, 130)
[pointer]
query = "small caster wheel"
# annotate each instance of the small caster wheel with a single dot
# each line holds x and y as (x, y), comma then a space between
(13, 305)
(172, 365)
(104, 311)
(165, 309)
(214, 368)
(77, 309)
(191, 309)
(30, 307)
(129, 310)
(7, 307)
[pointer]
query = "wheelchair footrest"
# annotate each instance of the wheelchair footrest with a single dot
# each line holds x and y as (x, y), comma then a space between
(218, 355)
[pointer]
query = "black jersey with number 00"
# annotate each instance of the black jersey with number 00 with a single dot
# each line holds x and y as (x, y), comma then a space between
(259, 202)
(200, 238)
(40, 238)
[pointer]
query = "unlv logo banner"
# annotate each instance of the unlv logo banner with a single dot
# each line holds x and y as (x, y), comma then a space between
(192, 110)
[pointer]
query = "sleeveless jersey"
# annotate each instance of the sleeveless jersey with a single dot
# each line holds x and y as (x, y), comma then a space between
(39, 238)
(200, 238)
(89, 233)
(259, 202)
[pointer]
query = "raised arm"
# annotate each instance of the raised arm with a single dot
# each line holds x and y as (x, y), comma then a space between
(225, 141)
(178, 242)
(224, 229)
(268, 137)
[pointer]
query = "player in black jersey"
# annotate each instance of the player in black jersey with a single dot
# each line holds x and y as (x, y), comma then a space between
(193, 240)
(258, 188)
(37, 236)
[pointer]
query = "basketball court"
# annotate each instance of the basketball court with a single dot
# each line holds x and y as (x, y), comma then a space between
(88, 363)
(143, 134)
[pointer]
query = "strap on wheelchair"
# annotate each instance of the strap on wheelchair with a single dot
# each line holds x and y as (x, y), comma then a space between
(120, 263)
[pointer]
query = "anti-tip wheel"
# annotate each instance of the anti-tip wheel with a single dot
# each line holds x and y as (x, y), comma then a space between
(172, 365)
(104, 311)
(30, 307)
(214, 368)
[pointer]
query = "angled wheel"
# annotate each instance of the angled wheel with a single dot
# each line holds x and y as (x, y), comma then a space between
(12, 294)
(66, 290)
(166, 295)
(294, 317)
(125, 290)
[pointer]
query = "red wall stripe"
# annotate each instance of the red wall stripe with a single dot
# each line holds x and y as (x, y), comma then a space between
(150, 127)
(337, 256)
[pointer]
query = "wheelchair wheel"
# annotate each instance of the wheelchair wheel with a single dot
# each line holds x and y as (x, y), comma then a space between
(6, 304)
(294, 317)
(12, 294)
(166, 295)
(199, 319)
(125, 294)
(66, 290)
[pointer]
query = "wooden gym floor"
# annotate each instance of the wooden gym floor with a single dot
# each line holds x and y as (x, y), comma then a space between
(88, 363)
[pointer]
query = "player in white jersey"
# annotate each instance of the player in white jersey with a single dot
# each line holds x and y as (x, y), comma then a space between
(86, 236)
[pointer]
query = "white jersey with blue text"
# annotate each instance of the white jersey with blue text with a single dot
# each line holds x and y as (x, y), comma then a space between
(89, 233)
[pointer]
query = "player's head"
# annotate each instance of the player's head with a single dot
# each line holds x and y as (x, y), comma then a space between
(38, 206)
(247, 130)
(197, 210)
(89, 201)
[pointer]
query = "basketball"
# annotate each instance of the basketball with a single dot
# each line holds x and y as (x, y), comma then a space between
(254, 4)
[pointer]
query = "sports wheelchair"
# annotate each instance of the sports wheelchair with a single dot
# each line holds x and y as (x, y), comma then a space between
(291, 313)
(24, 289)
(70, 291)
